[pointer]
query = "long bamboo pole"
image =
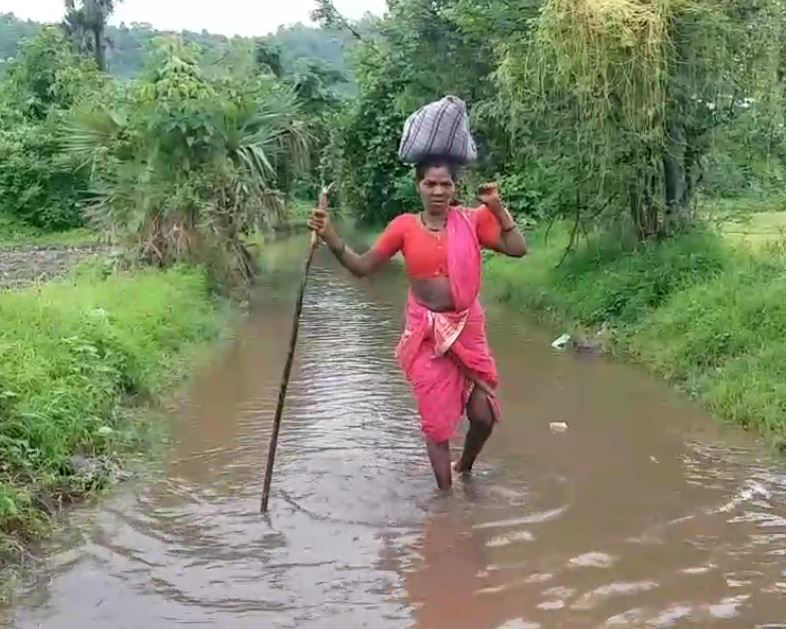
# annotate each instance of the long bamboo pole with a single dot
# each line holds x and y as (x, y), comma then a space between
(282, 393)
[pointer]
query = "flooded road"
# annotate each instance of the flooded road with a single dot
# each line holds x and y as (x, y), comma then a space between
(643, 514)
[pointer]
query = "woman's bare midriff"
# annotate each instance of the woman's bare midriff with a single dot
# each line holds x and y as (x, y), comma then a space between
(433, 293)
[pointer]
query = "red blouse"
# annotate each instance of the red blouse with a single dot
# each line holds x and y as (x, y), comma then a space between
(424, 251)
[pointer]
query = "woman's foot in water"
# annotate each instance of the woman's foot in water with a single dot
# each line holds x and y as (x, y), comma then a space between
(461, 468)
(439, 455)
(478, 434)
(481, 425)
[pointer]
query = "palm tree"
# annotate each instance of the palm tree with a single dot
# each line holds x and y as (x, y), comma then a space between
(87, 24)
(185, 165)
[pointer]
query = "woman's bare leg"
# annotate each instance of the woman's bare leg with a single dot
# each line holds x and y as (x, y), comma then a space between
(481, 424)
(439, 455)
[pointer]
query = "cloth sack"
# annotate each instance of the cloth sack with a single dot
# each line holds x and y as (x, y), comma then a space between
(440, 129)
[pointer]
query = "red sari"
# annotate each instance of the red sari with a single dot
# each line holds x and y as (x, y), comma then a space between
(445, 355)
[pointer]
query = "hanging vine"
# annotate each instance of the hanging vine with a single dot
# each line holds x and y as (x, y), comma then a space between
(625, 94)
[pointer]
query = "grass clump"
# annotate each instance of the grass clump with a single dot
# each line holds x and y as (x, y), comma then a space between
(14, 233)
(73, 355)
(610, 280)
(723, 342)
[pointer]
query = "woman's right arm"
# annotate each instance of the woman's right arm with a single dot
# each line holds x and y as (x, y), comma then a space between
(359, 264)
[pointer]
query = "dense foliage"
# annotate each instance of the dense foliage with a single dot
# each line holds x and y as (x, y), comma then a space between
(416, 55)
(637, 90)
(597, 111)
(203, 146)
(182, 164)
(39, 184)
(594, 110)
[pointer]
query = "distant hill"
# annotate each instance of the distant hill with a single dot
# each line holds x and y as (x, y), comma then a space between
(129, 44)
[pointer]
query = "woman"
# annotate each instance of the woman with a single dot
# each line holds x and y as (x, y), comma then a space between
(443, 351)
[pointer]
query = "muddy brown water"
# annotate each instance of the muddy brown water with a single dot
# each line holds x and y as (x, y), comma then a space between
(643, 514)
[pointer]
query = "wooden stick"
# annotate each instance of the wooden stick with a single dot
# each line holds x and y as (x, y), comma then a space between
(282, 393)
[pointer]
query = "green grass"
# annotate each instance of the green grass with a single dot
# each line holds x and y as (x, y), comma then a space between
(14, 233)
(751, 224)
(75, 357)
(609, 280)
(755, 231)
(743, 205)
(723, 341)
(701, 313)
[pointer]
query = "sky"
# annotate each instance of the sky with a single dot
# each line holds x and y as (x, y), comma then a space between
(229, 17)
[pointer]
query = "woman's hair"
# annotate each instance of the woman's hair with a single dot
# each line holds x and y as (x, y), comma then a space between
(437, 162)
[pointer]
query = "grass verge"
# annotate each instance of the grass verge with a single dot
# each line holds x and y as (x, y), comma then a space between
(14, 233)
(75, 357)
(703, 314)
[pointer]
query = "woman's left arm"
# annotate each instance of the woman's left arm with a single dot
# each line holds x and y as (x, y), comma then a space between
(511, 241)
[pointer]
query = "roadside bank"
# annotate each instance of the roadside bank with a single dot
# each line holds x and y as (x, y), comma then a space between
(708, 317)
(80, 358)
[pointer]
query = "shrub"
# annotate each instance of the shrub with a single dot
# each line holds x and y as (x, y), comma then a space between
(39, 185)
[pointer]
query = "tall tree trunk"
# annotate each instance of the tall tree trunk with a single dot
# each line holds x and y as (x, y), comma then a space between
(100, 51)
(645, 206)
(682, 174)
(674, 173)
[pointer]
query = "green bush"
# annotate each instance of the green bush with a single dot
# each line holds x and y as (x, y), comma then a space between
(71, 355)
(522, 195)
(375, 185)
(751, 391)
(39, 184)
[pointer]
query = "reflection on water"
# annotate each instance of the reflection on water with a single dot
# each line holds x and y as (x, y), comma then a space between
(641, 514)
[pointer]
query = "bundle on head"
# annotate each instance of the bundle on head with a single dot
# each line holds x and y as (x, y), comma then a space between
(440, 128)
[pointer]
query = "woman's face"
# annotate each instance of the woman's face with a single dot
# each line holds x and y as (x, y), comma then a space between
(437, 189)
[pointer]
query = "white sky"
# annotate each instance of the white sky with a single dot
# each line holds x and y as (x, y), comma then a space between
(229, 17)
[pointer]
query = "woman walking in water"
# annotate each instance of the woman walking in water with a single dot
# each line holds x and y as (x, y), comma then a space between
(443, 351)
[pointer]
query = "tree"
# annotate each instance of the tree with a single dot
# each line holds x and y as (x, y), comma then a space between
(625, 96)
(268, 57)
(38, 183)
(45, 76)
(184, 164)
(86, 23)
(325, 13)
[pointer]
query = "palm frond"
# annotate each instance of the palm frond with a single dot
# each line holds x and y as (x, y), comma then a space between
(269, 135)
(85, 132)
